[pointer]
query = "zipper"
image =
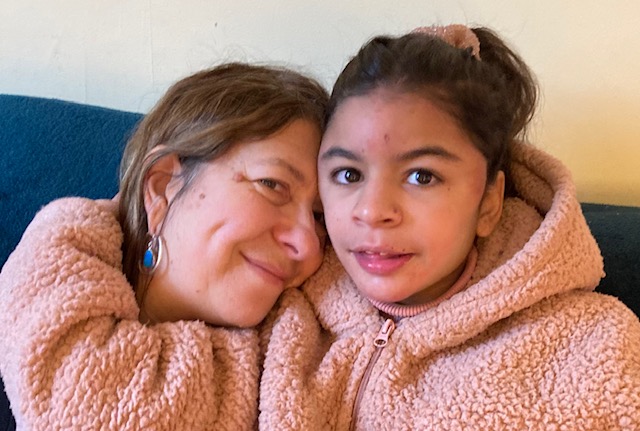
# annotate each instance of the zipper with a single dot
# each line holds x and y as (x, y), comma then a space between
(380, 342)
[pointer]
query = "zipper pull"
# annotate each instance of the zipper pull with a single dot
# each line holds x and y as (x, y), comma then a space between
(385, 332)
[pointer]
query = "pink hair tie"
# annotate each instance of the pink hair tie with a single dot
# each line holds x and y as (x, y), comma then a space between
(457, 35)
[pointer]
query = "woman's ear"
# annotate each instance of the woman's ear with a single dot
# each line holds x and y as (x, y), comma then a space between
(161, 184)
(491, 206)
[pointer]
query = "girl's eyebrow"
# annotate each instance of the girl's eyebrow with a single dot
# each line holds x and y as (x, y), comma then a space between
(339, 152)
(429, 150)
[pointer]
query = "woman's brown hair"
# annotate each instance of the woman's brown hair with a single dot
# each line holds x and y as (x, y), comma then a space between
(199, 119)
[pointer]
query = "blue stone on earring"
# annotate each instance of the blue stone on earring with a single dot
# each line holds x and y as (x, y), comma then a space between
(152, 255)
(147, 260)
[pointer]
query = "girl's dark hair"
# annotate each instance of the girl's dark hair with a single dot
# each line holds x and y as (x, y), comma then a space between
(199, 119)
(493, 99)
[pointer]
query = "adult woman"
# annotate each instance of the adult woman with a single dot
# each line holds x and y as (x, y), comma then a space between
(217, 192)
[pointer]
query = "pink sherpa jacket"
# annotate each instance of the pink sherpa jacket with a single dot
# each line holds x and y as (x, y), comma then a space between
(74, 356)
(526, 346)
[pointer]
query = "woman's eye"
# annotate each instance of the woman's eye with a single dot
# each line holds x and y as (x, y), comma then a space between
(420, 177)
(275, 190)
(270, 183)
(347, 176)
(318, 216)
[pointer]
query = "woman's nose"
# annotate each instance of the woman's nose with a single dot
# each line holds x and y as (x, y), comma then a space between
(300, 236)
(377, 206)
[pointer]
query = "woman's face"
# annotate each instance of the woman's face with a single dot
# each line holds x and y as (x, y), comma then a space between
(403, 189)
(244, 231)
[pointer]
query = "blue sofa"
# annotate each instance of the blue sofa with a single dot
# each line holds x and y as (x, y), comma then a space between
(52, 148)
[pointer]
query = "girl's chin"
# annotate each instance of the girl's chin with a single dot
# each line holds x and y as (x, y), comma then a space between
(380, 295)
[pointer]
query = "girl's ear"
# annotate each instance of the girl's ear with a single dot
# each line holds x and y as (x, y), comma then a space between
(491, 206)
(161, 184)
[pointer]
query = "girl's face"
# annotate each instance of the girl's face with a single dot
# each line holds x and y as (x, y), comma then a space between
(242, 233)
(404, 194)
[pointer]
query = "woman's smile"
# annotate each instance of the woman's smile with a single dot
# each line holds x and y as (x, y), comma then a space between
(270, 272)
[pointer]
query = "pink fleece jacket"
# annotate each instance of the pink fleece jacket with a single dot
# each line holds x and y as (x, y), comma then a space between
(526, 346)
(74, 356)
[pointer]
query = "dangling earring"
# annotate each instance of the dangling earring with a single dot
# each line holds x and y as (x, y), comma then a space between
(152, 255)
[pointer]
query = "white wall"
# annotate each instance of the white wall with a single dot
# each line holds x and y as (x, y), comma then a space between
(124, 53)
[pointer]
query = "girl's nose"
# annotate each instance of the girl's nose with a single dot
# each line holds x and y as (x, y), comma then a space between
(377, 206)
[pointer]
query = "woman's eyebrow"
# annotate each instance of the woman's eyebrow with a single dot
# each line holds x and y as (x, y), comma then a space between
(295, 172)
(339, 152)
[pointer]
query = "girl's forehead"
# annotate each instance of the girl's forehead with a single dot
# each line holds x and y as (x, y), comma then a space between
(390, 114)
(389, 103)
(398, 126)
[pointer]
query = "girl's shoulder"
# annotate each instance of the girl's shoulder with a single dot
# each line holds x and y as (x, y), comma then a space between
(599, 322)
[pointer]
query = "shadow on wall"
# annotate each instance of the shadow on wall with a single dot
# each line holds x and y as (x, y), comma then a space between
(599, 139)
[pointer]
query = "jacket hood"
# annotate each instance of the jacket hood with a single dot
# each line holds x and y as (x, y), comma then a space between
(541, 247)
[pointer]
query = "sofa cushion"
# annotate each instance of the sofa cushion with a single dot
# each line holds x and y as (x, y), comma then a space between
(52, 148)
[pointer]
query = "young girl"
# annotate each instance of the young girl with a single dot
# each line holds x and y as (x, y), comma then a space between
(465, 301)
(217, 200)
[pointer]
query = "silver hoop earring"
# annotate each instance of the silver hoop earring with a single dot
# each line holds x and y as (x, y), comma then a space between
(152, 255)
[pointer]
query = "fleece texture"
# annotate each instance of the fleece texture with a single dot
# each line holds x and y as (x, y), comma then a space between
(527, 345)
(74, 356)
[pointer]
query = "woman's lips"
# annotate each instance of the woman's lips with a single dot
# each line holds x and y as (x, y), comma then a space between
(381, 263)
(269, 272)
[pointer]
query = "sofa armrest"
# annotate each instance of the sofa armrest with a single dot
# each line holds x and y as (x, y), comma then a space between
(617, 230)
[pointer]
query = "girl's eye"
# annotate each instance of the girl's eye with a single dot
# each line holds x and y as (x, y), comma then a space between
(347, 176)
(420, 177)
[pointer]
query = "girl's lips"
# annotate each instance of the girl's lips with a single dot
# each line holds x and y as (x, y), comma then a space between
(381, 263)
